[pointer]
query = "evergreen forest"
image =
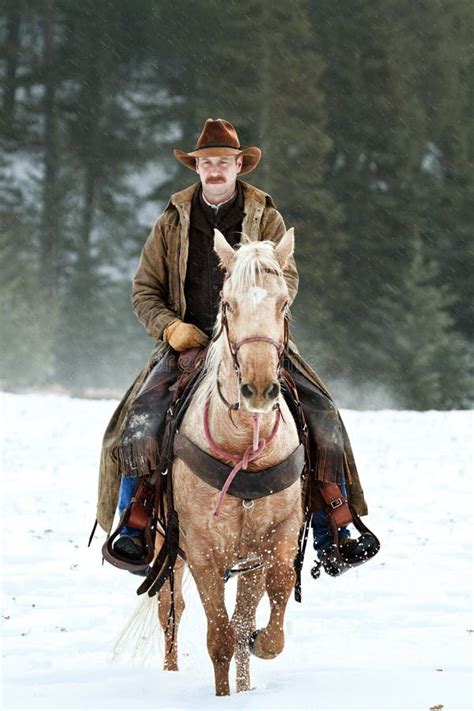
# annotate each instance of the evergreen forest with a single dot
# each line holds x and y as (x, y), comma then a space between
(364, 113)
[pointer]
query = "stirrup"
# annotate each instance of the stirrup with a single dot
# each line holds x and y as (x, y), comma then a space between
(242, 565)
(121, 560)
(349, 553)
(140, 515)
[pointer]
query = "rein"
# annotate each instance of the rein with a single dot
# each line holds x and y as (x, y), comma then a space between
(251, 453)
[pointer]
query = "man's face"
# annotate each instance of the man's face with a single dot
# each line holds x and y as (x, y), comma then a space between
(218, 175)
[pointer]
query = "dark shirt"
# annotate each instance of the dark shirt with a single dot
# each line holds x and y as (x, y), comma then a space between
(204, 277)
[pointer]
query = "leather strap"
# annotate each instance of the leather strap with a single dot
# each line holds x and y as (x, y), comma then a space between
(337, 506)
(246, 484)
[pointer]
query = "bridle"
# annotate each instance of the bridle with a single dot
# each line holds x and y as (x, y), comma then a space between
(258, 444)
(234, 347)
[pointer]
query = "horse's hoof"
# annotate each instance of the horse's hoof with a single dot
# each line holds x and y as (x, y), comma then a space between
(170, 667)
(261, 654)
(252, 640)
(243, 689)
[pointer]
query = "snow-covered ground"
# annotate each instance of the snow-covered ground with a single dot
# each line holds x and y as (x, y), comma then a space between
(394, 634)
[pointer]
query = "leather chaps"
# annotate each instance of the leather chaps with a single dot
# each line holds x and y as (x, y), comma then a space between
(138, 450)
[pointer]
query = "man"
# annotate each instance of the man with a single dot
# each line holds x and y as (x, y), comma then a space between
(175, 295)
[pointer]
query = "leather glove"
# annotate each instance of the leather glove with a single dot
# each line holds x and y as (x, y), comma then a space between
(182, 335)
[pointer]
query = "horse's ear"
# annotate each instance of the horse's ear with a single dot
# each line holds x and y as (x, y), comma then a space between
(285, 247)
(224, 251)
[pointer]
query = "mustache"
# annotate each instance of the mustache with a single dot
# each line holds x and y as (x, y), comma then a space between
(215, 180)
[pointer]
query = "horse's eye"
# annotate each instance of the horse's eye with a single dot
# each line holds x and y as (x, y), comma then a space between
(227, 307)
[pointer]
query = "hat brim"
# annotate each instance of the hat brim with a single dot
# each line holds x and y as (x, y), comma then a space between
(251, 156)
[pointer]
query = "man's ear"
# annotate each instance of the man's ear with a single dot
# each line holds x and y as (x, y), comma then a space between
(285, 247)
(224, 251)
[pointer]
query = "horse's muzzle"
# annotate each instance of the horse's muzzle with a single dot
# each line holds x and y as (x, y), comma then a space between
(259, 399)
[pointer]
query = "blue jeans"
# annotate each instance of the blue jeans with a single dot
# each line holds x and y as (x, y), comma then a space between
(128, 485)
(320, 526)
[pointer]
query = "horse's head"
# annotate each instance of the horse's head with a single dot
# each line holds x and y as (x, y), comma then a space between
(253, 315)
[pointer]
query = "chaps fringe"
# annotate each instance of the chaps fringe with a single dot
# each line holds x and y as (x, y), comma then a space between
(139, 457)
(329, 465)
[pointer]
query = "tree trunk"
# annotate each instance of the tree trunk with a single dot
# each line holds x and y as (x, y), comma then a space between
(266, 97)
(49, 236)
(9, 91)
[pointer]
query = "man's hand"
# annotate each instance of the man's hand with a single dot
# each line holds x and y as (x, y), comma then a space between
(182, 335)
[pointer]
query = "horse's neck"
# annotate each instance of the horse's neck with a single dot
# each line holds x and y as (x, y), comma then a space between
(236, 434)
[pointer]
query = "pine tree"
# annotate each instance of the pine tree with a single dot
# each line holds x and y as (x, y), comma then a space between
(106, 144)
(28, 314)
(446, 66)
(426, 362)
(376, 126)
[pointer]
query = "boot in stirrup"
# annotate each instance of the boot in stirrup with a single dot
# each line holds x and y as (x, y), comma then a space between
(348, 553)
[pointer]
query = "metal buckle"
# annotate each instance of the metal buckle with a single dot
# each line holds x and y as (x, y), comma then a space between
(335, 503)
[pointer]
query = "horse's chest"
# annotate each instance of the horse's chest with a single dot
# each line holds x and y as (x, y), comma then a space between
(239, 523)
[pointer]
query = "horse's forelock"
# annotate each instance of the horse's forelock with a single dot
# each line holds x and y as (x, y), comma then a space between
(252, 261)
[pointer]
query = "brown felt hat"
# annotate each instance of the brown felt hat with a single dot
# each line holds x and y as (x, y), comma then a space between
(219, 138)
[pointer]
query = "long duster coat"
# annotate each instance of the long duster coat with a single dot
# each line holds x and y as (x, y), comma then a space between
(158, 299)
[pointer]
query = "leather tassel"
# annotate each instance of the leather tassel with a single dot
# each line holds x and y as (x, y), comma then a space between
(140, 457)
(329, 465)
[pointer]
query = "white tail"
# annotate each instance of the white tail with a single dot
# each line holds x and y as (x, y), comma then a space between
(141, 637)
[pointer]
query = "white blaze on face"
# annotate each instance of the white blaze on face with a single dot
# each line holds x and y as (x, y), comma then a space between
(257, 294)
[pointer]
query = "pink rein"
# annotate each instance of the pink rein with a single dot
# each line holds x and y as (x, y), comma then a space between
(251, 453)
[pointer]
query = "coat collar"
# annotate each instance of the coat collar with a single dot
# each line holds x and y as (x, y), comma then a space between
(183, 198)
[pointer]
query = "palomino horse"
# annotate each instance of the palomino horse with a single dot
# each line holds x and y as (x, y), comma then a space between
(219, 531)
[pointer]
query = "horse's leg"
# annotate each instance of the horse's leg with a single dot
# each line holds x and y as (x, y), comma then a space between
(164, 609)
(220, 635)
(250, 589)
(280, 579)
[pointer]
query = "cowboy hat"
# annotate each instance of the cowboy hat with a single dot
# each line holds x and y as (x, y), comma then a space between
(219, 138)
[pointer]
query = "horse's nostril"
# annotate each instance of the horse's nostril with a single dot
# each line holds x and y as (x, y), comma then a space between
(246, 390)
(273, 391)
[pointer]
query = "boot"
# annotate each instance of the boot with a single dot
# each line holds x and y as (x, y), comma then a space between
(132, 547)
(349, 553)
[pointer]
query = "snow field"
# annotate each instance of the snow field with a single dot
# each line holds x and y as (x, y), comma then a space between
(394, 634)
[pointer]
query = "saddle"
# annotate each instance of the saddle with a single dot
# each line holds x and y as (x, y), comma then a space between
(151, 509)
